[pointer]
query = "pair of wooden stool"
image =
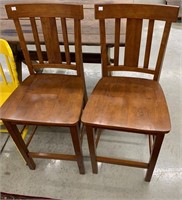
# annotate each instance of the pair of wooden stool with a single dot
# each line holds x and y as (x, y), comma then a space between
(131, 104)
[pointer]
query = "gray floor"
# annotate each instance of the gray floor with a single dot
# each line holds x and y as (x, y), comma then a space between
(61, 179)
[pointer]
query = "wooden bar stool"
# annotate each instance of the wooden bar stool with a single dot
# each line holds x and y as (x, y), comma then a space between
(48, 99)
(130, 103)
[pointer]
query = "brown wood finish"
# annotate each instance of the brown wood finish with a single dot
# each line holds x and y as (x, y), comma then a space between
(48, 99)
(90, 32)
(154, 155)
(131, 104)
(16, 135)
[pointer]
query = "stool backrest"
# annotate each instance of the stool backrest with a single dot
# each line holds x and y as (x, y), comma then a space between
(46, 25)
(137, 34)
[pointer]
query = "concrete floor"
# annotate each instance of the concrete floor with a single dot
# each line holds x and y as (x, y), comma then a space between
(61, 179)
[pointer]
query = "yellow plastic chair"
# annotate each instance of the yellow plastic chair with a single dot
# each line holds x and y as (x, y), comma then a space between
(8, 79)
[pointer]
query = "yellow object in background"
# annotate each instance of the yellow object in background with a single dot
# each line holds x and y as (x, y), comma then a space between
(8, 78)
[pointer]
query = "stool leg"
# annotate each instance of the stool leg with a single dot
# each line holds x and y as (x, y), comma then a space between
(92, 148)
(15, 134)
(154, 155)
(77, 147)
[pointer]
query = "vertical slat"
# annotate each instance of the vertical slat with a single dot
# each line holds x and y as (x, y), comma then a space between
(117, 42)
(162, 50)
(103, 47)
(78, 54)
(65, 40)
(23, 45)
(149, 43)
(36, 38)
(78, 50)
(50, 33)
(133, 39)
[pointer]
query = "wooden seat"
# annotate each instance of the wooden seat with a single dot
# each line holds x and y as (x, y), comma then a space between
(129, 97)
(48, 99)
